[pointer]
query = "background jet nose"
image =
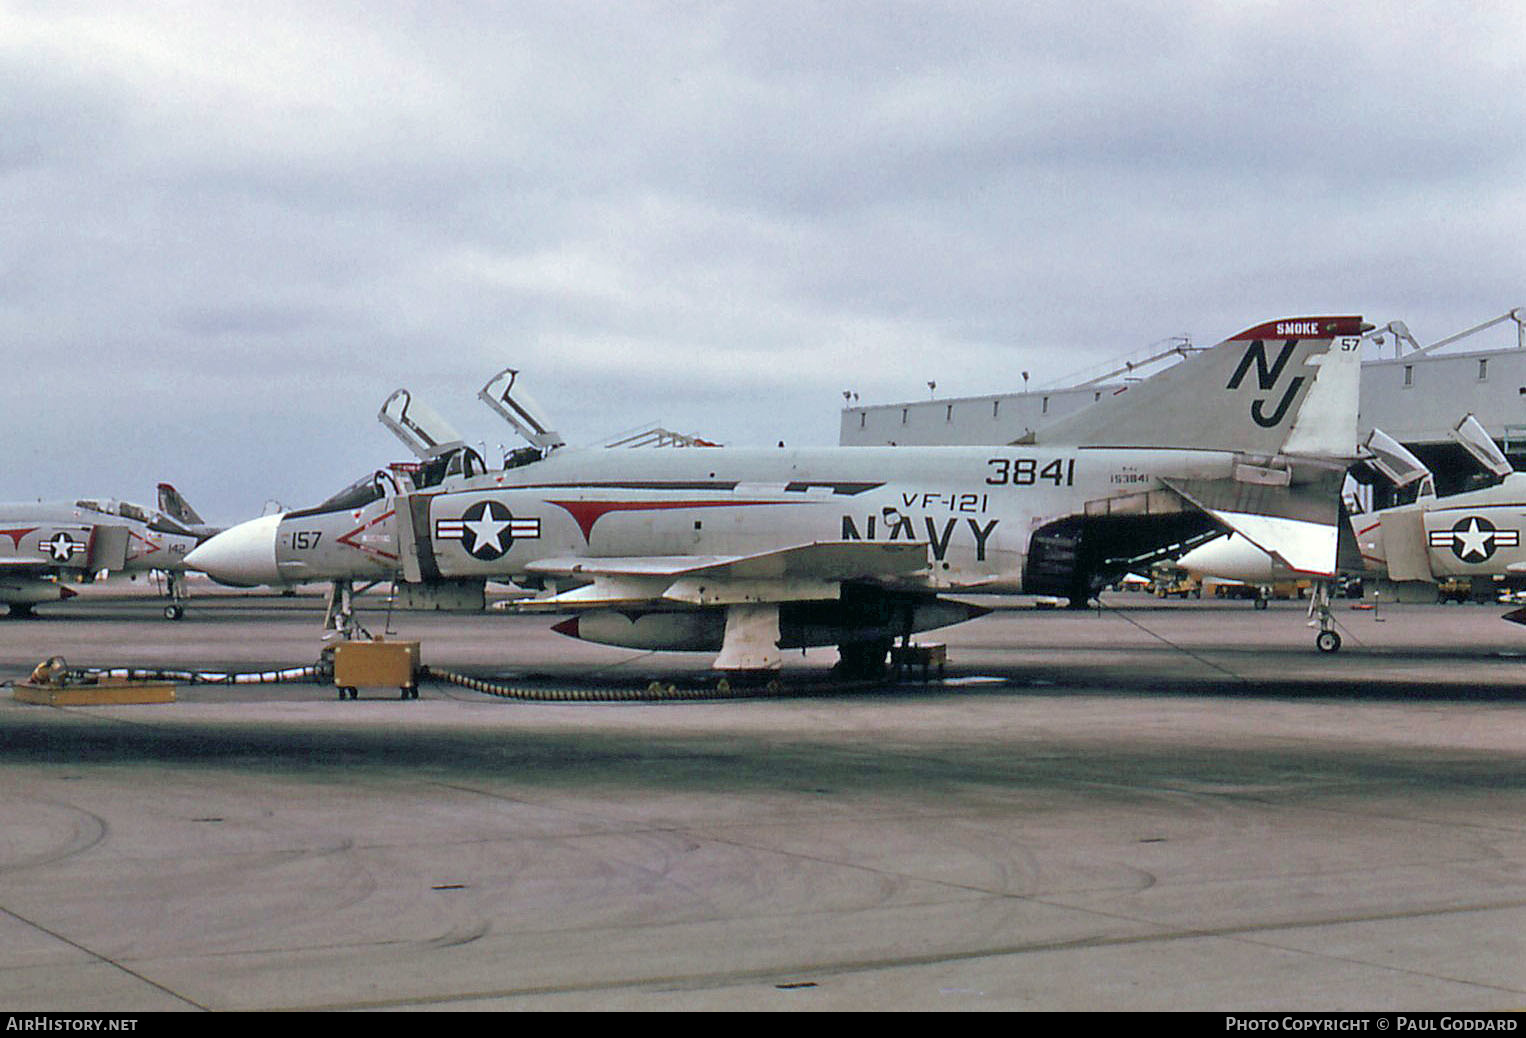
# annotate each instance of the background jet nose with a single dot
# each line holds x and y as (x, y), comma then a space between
(244, 554)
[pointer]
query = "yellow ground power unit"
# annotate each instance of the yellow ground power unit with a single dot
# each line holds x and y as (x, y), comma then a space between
(376, 664)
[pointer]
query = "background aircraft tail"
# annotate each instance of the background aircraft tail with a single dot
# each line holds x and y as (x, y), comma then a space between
(176, 507)
(1284, 387)
(182, 518)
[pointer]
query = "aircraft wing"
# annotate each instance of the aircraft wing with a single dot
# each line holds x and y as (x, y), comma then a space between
(802, 572)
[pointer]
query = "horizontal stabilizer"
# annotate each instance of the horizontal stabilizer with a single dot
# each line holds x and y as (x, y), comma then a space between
(1301, 546)
(1297, 525)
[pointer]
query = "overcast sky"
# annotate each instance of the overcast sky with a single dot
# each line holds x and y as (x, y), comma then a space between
(229, 231)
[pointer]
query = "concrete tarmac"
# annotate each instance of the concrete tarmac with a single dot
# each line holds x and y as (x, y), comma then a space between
(1152, 806)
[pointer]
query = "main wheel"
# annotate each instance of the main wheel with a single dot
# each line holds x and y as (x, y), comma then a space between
(1328, 641)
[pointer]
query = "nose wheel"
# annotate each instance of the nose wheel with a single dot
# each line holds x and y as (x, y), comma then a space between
(1327, 641)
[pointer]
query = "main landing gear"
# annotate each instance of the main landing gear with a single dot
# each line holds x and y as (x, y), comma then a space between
(174, 590)
(1320, 615)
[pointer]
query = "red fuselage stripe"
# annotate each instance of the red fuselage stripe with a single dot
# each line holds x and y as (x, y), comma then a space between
(586, 513)
(16, 535)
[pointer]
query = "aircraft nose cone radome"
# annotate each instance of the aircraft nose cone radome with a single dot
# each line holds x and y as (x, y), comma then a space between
(244, 554)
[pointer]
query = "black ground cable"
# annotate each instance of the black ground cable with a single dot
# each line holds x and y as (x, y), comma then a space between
(1167, 641)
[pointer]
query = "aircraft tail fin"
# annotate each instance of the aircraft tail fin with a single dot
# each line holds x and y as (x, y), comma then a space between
(176, 507)
(1284, 387)
(1283, 396)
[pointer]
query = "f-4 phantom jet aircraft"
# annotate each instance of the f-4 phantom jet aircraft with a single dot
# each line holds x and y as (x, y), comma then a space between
(42, 545)
(1473, 534)
(749, 552)
(1405, 550)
